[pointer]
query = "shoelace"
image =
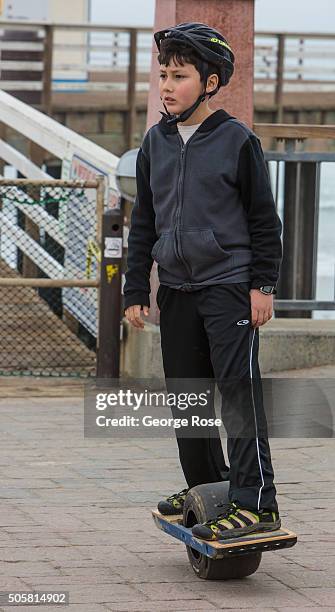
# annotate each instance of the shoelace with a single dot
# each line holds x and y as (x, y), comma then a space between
(178, 496)
(228, 508)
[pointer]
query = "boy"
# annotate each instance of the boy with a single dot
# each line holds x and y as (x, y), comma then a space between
(205, 212)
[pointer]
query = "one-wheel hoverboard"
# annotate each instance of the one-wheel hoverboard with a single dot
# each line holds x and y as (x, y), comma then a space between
(224, 559)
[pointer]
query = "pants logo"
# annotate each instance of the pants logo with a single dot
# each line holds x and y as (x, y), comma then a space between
(243, 322)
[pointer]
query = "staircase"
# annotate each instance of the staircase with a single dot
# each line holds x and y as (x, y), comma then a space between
(34, 340)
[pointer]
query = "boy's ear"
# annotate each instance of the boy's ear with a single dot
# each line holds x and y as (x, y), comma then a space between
(212, 82)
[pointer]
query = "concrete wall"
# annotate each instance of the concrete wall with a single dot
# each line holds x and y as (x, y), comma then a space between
(106, 128)
(285, 344)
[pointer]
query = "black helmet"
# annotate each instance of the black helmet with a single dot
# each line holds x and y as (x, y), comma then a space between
(212, 48)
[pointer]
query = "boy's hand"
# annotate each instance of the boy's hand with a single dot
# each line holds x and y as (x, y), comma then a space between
(261, 307)
(133, 315)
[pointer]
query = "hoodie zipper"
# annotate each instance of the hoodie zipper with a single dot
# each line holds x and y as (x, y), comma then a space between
(182, 150)
(180, 201)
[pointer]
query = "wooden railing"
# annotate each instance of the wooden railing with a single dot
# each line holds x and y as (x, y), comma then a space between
(37, 59)
(294, 62)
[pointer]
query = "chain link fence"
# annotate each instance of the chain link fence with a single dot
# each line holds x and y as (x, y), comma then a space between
(49, 271)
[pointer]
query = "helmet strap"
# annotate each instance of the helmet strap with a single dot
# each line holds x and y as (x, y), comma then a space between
(173, 118)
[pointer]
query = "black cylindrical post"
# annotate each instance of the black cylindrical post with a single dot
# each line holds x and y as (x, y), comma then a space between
(108, 353)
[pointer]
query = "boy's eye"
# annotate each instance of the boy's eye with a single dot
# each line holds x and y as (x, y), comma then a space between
(177, 76)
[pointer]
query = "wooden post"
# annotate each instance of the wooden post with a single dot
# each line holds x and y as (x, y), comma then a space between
(131, 93)
(280, 77)
(2, 163)
(100, 205)
(108, 354)
(47, 71)
(29, 268)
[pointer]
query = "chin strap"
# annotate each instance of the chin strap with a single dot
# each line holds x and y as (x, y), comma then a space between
(172, 119)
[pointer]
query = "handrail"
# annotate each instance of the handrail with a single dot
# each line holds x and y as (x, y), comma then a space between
(26, 25)
(269, 33)
(289, 130)
(54, 137)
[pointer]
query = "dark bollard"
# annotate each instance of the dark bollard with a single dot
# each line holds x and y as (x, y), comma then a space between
(108, 353)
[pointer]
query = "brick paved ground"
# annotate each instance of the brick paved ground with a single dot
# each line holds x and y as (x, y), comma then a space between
(74, 515)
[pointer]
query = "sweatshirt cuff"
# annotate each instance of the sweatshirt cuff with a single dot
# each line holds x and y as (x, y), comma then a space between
(136, 297)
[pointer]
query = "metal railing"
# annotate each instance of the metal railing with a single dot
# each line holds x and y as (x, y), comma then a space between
(298, 188)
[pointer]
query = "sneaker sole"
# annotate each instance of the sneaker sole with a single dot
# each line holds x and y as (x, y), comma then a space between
(231, 533)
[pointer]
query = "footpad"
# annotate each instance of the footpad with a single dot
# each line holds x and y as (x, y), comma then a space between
(253, 542)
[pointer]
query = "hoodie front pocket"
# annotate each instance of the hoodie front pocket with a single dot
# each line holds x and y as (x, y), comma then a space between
(163, 251)
(203, 254)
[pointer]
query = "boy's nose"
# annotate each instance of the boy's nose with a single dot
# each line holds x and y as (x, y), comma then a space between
(166, 85)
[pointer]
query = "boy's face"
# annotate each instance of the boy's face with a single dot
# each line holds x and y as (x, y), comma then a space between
(181, 83)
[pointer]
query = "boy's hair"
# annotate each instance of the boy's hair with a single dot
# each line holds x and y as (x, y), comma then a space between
(183, 53)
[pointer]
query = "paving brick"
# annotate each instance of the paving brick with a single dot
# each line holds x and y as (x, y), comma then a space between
(9, 583)
(71, 608)
(169, 591)
(163, 573)
(105, 593)
(304, 609)
(163, 606)
(251, 593)
(23, 569)
(321, 596)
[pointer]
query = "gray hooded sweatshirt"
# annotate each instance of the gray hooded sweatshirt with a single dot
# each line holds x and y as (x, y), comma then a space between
(204, 210)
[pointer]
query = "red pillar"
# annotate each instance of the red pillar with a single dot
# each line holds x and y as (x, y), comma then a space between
(235, 20)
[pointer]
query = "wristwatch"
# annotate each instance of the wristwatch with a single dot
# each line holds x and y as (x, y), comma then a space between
(268, 289)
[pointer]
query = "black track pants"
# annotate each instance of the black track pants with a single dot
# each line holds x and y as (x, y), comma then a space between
(207, 334)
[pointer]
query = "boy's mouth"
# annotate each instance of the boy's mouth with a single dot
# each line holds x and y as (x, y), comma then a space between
(169, 100)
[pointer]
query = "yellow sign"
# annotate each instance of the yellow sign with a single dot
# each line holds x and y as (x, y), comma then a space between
(93, 250)
(111, 271)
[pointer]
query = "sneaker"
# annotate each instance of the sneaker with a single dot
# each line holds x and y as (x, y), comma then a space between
(173, 504)
(234, 522)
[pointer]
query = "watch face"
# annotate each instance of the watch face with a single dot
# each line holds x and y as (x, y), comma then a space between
(267, 289)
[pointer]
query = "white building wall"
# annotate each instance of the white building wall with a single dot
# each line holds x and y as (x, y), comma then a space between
(69, 11)
(32, 10)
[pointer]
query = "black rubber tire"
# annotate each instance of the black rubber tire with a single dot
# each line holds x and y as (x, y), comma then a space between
(200, 506)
